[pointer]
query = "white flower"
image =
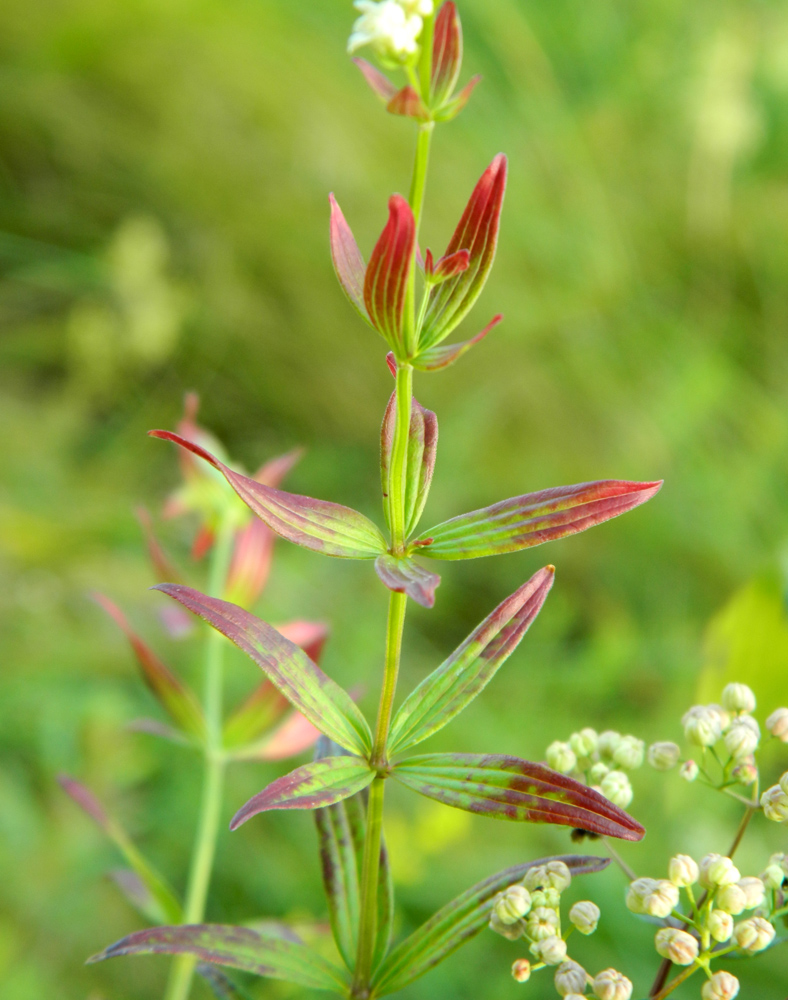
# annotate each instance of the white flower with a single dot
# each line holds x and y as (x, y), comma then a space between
(423, 7)
(521, 970)
(754, 891)
(716, 870)
(663, 756)
(683, 871)
(542, 923)
(702, 725)
(774, 802)
(585, 916)
(551, 950)
(561, 757)
(570, 978)
(754, 934)
(721, 986)
(615, 786)
(553, 875)
(738, 698)
(662, 899)
(584, 743)
(720, 925)
(689, 770)
(741, 740)
(512, 904)
(612, 985)
(637, 892)
(387, 27)
(732, 899)
(679, 946)
(724, 715)
(777, 724)
(629, 753)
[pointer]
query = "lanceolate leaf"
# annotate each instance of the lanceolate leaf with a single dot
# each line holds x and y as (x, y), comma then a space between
(457, 922)
(321, 783)
(302, 682)
(174, 696)
(238, 948)
(380, 84)
(470, 668)
(510, 788)
(442, 356)
(446, 53)
(325, 527)
(348, 263)
(408, 103)
(387, 275)
(454, 107)
(404, 576)
(139, 896)
(531, 519)
(221, 985)
(422, 450)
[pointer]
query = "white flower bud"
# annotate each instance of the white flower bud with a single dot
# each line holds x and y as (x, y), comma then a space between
(521, 970)
(773, 877)
(387, 27)
(754, 891)
(738, 698)
(721, 986)
(679, 946)
(551, 950)
(608, 741)
(584, 743)
(422, 7)
(754, 935)
(683, 871)
(663, 756)
(510, 931)
(777, 724)
(615, 786)
(542, 923)
(629, 753)
(553, 875)
(723, 715)
(716, 870)
(512, 904)
(746, 770)
(689, 770)
(611, 985)
(774, 802)
(597, 772)
(784, 782)
(662, 899)
(702, 725)
(585, 916)
(732, 899)
(740, 740)
(551, 898)
(720, 925)
(637, 892)
(780, 859)
(570, 978)
(561, 757)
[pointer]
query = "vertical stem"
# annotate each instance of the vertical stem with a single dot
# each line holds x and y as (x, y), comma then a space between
(416, 199)
(203, 853)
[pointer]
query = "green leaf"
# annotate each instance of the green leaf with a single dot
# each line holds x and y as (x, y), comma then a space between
(504, 787)
(404, 576)
(138, 895)
(238, 948)
(327, 706)
(435, 358)
(422, 449)
(457, 922)
(532, 519)
(321, 783)
(470, 668)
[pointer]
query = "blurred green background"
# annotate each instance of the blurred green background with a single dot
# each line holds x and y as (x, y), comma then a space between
(164, 171)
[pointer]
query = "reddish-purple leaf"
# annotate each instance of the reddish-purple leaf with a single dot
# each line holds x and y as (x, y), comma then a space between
(422, 450)
(324, 527)
(163, 568)
(310, 636)
(442, 356)
(408, 103)
(348, 263)
(453, 108)
(302, 682)
(86, 801)
(470, 668)
(449, 267)
(391, 361)
(532, 519)
(313, 786)
(446, 53)
(387, 275)
(172, 694)
(477, 232)
(404, 576)
(250, 565)
(380, 84)
(295, 735)
(506, 787)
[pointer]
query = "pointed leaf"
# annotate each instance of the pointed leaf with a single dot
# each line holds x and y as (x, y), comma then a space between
(404, 576)
(178, 701)
(321, 783)
(422, 450)
(302, 682)
(272, 472)
(449, 267)
(408, 103)
(453, 108)
(438, 357)
(446, 53)
(471, 667)
(236, 947)
(477, 232)
(138, 895)
(348, 263)
(457, 922)
(316, 524)
(380, 84)
(163, 567)
(387, 275)
(532, 519)
(506, 787)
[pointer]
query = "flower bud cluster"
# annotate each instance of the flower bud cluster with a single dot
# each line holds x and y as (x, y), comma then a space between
(774, 801)
(391, 27)
(603, 759)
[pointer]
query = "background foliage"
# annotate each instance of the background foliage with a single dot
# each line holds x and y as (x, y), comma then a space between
(164, 168)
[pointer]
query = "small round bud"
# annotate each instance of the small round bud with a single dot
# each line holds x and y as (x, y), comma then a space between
(551, 950)
(521, 970)
(774, 803)
(615, 786)
(679, 946)
(388, 27)
(702, 725)
(746, 771)
(551, 898)
(777, 724)
(570, 978)
(542, 923)
(510, 931)
(584, 743)
(611, 985)
(561, 757)
(512, 904)
(637, 892)
(607, 743)
(689, 770)
(784, 782)
(738, 698)
(553, 875)
(716, 870)
(754, 935)
(585, 916)
(780, 859)
(773, 877)
(740, 740)
(732, 899)
(662, 899)
(597, 772)
(663, 756)
(683, 871)
(629, 753)
(720, 925)
(721, 986)
(422, 7)
(754, 891)
(723, 715)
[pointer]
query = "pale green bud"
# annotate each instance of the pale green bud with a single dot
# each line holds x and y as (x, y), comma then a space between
(723, 715)
(746, 771)
(663, 756)
(608, 741)
(629, 753)
(662, 899)
(774, 803)
(388, 27)
(683, 870)
(721, 986)
(689, 770)
(551, 950)
(561, 757)
(740, 740)
(570, 978)
(510, 931)
(738, 698)
(702, 725)
(584, 743)
(585, 916)
(780, 859)
(521, 970)
(542, 923)
(637, 892)
(716, 870)
(784, 782)
(720, 925)
(732, 899)
(615, 786)
(773, 877)
(512, 904)
(754, 891)
(551, 898)
(679, 946)
(552, 875)
(777, 724)
(612, 985)
(597, 772)
(754, 935)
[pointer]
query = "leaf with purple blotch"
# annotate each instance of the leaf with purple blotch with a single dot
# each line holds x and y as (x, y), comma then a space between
(446, 54)
(313, 786)
(348, 263)
(404, 576)
(459, 921)
(421, 454)
(458, 680)
(435, 358)
(324, 527)
(252, 951)
(505, 787)
(532, 519)
(327, 706)
(388, 271)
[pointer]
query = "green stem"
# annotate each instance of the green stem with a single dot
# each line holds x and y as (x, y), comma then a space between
(204, 851)
(399, 458)
(416, 199)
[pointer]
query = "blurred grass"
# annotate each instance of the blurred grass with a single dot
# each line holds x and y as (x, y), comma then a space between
(163, 177)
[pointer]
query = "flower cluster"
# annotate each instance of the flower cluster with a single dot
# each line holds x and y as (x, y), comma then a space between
(602, 760)
(391, 27)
